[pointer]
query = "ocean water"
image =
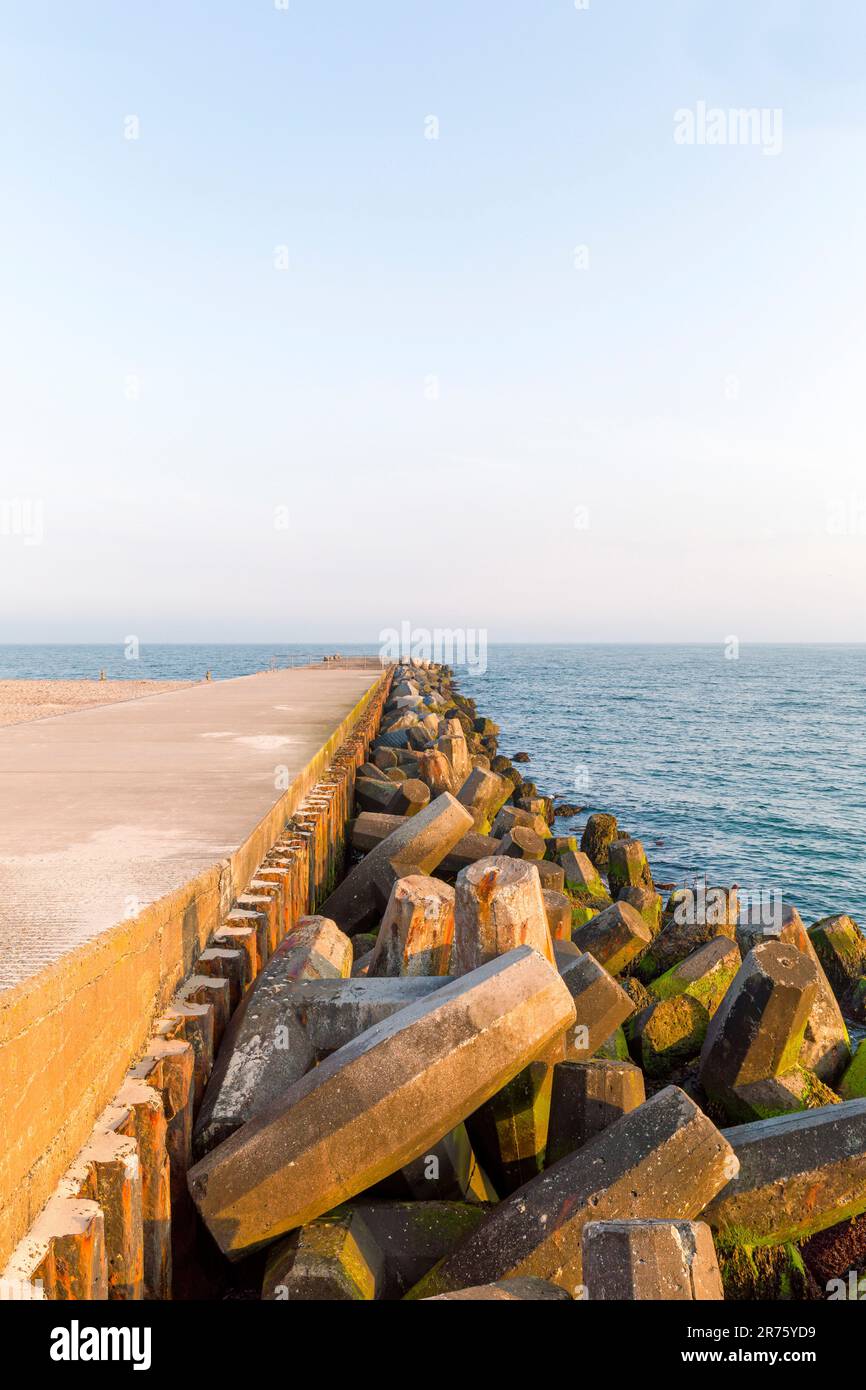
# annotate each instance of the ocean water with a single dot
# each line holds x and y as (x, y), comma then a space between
(748, 771)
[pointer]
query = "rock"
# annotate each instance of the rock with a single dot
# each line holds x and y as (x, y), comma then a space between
(412, 1236)
(659, 1260)
(332, 1259)
(841, 948)
(522, 843)
(506, 1291)
(417, 846)
(282, 1027)
(798, 1175)
(483, 794)
(558, 909)
(614, 936)
(627, 866)
(757, 1032)
(586, 1097)
(417, 931)
(831, 1253)
(665, 1160)
(706, 974)
(520, 758)
(601, 1005)
(380, 1101)
(498, 906)
(648, 903)
(456, 750)
(599, 833)
(565, 810)
(486, 728)
(669, 1033)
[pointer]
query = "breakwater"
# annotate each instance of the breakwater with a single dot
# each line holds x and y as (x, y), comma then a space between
(496, 1063)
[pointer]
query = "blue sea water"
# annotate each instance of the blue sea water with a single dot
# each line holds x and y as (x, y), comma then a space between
(750, 771)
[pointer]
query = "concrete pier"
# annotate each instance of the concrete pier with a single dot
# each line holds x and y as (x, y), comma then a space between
(127, 833)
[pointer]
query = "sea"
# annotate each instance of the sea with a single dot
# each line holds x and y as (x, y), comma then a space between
(742, 766)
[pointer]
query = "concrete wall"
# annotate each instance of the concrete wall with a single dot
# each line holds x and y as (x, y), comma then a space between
(69, 1035)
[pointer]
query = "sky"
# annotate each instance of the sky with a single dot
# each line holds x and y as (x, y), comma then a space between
(319, 318)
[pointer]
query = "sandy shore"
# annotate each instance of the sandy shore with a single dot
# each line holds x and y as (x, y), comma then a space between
(21, 701)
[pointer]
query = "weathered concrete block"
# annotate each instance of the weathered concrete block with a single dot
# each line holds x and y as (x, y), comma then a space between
(506, 1291)
(213, 991)
(138, 1112)
(412, 1236)
(468, 850)
(232, 936)
(586, 1098)
(557, 906)
(483, 794)
(664, 1160)
(417, 931)
(115, 1183)
(552, 876)
(614, 936)
(627, 866)
(674, 942)
(581, 875)
(332, 1259)
(509, 1132)
(658, 1260)
(758, 1029)
(511, 816)
(447, 1171)
(409, 797)
(435, 770)
(522, 843)
(599, 834)
(853, 1083)
(600, 1004)
(794, 1090)
(798, 1174)
(370, 828)
(315, 949)
(826, 1045)
(63, 1255)
(380, 1101)
(706, 974)
(841, 948)
(232, 966)
(371, 794)
(648, 903)
(668, 1033)
(418, 846)
(498, 906)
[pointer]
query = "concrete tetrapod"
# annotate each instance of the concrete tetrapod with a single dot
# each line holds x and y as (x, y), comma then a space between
(665, 1159)
(379, 1102)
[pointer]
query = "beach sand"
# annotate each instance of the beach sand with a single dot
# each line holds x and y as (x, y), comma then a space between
(21, 701)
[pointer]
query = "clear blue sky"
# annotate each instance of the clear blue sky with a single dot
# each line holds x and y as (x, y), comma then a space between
(697, 388)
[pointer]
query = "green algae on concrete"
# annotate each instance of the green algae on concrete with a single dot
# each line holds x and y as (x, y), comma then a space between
(853, 1083)
(764, 1272)
(669, 1033)
(509, 1132)
(705, 974)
